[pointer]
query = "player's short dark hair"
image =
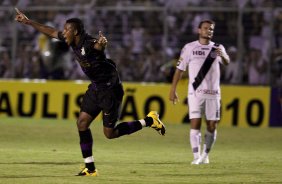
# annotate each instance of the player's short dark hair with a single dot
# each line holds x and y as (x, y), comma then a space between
(78, 25)
(206, 21)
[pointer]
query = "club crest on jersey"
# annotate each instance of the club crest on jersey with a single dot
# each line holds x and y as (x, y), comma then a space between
(213, 54)
(82, 51)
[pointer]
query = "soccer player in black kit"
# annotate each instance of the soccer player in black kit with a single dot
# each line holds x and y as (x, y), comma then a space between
(105, 92)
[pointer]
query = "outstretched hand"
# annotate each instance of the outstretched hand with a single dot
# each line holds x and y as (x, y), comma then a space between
(102, 40)
(20, 17)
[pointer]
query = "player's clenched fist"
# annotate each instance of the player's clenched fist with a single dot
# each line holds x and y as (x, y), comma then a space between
(102, 40)
(219, 52)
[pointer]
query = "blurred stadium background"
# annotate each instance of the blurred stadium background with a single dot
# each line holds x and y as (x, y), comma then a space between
(41, 86)
(145, 35)
(145, 38)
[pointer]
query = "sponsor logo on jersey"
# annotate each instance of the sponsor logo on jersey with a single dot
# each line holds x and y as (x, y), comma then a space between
(199, 53)
(208, 91)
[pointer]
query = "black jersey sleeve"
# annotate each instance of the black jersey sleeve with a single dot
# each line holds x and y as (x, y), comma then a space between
(111, 62)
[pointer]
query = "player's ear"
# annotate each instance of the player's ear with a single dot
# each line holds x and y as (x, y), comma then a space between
(199, 30)
(76, 32)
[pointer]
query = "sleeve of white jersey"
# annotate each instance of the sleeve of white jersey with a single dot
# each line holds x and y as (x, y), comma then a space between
(183, 59)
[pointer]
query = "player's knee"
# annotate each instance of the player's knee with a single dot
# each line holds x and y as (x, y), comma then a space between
(83, 122)
(211, 127)
(196, 123)
(82, 125)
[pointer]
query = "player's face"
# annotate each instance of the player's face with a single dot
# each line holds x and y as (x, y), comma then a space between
(69, 33)
(206, 30)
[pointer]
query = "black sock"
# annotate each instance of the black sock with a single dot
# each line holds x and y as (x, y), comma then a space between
(90, 166)
(149, 121)
(86, 143)
(128, 127)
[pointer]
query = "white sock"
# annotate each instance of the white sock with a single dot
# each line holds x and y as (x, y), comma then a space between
(89, 159)
(209, 141)
(143, 123)
(195, 141)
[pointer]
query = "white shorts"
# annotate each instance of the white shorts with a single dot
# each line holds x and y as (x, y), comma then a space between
(202, 106)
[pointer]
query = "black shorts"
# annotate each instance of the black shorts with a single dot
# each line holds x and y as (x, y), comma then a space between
(108, 101)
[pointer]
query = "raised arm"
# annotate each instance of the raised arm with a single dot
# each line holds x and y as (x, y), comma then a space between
(22, 18)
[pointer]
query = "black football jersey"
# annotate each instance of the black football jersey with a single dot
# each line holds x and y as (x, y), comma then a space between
(101, 71)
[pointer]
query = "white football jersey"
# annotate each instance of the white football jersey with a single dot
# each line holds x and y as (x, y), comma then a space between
(193, 56)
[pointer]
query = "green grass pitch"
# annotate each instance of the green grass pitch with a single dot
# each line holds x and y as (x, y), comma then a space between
(47, 151)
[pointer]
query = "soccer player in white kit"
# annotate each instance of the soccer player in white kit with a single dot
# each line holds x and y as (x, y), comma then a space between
(203, 58)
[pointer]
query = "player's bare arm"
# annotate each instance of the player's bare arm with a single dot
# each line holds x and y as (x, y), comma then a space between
(22, 18)
(101, 43)
(173, 97)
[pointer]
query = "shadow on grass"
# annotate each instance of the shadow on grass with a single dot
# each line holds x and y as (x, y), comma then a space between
(39, 163)
(36, 163)
(163, 163)
(30, 176)
(212, 174)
